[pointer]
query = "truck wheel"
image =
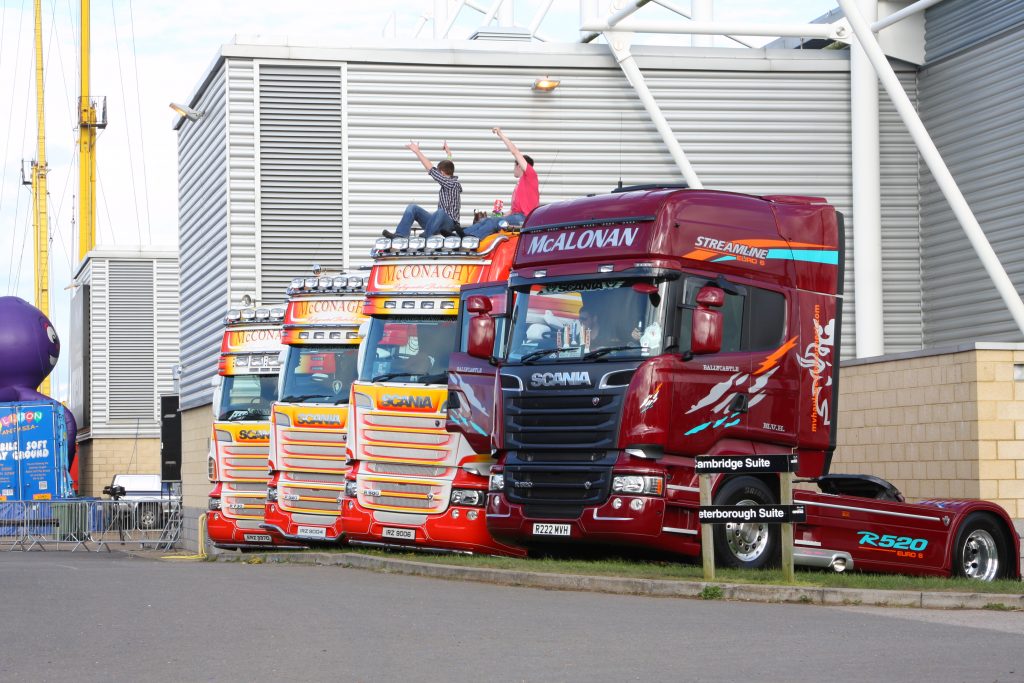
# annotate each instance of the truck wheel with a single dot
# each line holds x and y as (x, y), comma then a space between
(746, 545)
(149, 517)
(981, 551)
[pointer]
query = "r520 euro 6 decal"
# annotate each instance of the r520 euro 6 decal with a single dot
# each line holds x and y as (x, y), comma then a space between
(894, 542)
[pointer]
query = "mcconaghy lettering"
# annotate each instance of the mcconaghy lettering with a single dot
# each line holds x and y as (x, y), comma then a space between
(587, 239)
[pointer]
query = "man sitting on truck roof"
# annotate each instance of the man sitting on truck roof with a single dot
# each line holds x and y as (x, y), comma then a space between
(525, 196)
(449, 198)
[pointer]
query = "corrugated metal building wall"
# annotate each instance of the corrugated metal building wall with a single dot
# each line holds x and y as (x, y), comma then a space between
(972, 102)
(327, 134)
(133, 339)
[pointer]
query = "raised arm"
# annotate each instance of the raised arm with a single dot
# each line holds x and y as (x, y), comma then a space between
(511, 147)
(415, 147)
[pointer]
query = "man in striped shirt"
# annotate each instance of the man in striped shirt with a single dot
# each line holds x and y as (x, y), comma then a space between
(449, 201)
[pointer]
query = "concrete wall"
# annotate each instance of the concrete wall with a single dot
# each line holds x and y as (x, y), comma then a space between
(195, 484)
(939, 423)
(101, 459)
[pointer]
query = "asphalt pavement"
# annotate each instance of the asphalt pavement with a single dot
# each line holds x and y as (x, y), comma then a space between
(112, 617)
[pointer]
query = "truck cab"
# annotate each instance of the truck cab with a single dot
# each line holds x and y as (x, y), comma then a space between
(413, 482)
(308, 456)
(652, 326)
(244, 390)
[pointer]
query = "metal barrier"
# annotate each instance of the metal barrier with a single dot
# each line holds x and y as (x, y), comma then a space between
(89, 524)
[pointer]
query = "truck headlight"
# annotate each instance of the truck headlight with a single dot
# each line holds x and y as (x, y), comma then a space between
(467, 497)
(213, 504)
(644, 485)
(496, 482)
(272, 494)
(351, 489)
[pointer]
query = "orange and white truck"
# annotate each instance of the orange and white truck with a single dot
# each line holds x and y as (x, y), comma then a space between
(308, 450)
(414, 483)
(244, 389)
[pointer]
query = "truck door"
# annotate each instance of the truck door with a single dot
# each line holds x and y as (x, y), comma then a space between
(710, 391)
(471, 393)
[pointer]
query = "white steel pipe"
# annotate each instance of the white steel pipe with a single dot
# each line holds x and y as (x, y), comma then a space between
(440, 16)
(715, 28)
(613, 19)
(703, 13)
(539, 17)
(636, 79)
(453, 16)
(867, 204)
(936, 165)
(919, 6)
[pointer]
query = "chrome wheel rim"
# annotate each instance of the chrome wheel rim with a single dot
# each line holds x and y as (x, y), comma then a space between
(980, 556)
(746, 540)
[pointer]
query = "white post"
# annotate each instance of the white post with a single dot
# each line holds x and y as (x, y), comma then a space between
(507, 14)
(936, 165)
(702, 10)
(619, 44)
(867, 202)
(588, 13)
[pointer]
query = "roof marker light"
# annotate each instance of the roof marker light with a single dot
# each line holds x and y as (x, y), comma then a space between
(262, 313)
(470, 243)
(435, 242)
(234, 315)
(400, 244)
(356, 283)
(277, 313)
(540, 273)
(417, 243)
(339, 282)
(296, 283)
(325, 282)
(452, 242)
(382, 244)
(606, 268)
(248, 314)
(447, 305)
(309, 283)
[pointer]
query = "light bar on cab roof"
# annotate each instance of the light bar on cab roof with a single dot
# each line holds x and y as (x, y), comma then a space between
(401, 246)
(248, 315)
(327, 284)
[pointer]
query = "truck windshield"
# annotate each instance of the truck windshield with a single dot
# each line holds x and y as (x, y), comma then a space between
(319, 374)
(409, 349)
(588, 320)
(246, 397)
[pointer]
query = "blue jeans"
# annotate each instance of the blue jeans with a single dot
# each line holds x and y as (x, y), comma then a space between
(432, 222)
(488, 225)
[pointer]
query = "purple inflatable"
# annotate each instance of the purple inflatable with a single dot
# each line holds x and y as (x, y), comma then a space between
(29, 349)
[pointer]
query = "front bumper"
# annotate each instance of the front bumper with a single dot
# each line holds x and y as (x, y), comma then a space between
(453, 530)
(225, 532)
(597, 525)
(280, 521)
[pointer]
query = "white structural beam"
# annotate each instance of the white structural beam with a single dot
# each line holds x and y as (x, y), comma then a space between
(703, 13)
(930, 154)
(867, 202)
(619, 44)
(612, 20)
(714, 28)
(919, 6)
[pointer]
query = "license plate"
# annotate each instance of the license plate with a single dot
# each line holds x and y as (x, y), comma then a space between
(257, 538)
(404, 534)
(551, 529)
(312, 532)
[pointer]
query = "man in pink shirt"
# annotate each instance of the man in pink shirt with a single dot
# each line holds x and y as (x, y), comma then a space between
(525, 197)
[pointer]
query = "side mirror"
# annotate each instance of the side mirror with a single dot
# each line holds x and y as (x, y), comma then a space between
(706, 331)
(478, 304)
(481, 334)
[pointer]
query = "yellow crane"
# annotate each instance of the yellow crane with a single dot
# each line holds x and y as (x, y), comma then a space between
(88, 123)
(40, 217)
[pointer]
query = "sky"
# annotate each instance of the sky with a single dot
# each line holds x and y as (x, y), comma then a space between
(148, 53)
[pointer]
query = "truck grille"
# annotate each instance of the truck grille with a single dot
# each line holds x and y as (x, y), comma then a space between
(418, 496)
(560, 420)
(251, 497)
(567, 485)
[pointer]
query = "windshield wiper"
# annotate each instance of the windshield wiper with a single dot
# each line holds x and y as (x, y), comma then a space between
(544, 352)
(434, 378)
(391, 375)
(300, 399)
(605, 350)
(343, 399)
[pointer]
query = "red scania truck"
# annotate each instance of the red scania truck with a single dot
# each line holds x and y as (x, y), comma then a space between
(655, 325)
(244, 389)
(308, 456)
(413, 482)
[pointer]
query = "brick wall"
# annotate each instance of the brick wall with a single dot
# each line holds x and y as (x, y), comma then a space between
(937, 423)
(101, 459)
(195, 484)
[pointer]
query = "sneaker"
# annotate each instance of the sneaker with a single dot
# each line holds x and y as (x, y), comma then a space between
(387, 233)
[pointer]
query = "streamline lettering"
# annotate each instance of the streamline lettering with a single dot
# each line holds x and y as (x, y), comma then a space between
(730, 248)
(586, 239)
